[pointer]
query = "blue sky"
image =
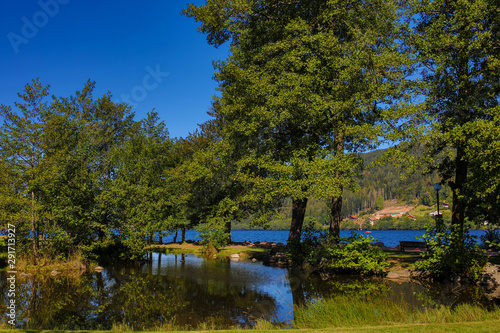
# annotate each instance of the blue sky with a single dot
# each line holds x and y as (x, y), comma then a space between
(144, 52)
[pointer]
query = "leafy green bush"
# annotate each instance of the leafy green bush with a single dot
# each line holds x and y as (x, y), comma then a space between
(451, 254)
(213, 234)
(353, 254)
(350, 255)
(491, 239)
(307, 249)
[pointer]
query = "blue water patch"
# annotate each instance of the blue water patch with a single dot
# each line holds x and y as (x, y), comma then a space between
(388, 237)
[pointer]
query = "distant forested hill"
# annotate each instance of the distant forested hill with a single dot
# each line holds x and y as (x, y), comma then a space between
(385, 181)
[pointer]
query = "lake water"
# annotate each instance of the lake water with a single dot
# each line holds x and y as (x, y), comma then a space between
(388, 237)
(190, 292)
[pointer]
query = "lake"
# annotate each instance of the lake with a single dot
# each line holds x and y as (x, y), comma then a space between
(188, 292)
(388, 237)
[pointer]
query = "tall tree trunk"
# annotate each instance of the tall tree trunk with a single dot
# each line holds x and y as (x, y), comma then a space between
(228, 231)
(183, 237)
(175, 236)
(336, 208)
(335, 218)
(459, 203)
(298, 214)
(34, 232)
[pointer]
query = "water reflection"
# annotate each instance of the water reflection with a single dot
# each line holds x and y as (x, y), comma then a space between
(187, 291)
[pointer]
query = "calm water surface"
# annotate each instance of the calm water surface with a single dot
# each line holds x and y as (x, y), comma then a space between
(189, 291)
(388, 237)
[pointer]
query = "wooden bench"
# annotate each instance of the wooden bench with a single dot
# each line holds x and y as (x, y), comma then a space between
(412, 244)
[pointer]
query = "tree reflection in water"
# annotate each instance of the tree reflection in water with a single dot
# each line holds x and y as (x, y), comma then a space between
(186, 292)
(141, 298)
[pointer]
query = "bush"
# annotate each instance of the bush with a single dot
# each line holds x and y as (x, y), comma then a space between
(353, 255)
(303, 251)
(349, 255)
(451, 254)
(213, 235)
(491, 240)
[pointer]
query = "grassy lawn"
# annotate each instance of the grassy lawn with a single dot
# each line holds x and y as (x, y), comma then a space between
(186, 248)
(465, 327)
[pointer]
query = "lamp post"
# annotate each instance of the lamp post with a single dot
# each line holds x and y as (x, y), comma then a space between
(438, 187)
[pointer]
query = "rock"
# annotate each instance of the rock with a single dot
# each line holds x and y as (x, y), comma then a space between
(280, 244)
(254, 260)
(491, 276)
(55, 273)
(234, 256)
(26, 274)
(400, 274)
(215, 256)
(98, 269)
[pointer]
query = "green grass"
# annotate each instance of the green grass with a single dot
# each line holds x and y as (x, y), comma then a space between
(351, 314)
(403, 255)
(185, 248)
(348, 312)
(459, 327)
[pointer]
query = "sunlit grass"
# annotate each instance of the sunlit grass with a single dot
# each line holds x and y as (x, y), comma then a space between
(186, 248)
(352, 312)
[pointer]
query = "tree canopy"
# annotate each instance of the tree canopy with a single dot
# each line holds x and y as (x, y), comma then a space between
(307, 85)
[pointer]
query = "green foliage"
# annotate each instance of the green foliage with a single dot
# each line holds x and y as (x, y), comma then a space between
(491, 239)
(79, 175)
(456, 126)
(302, 91)
(354, 254)
(393, 182)
(451, 254)
(379, 203)
(306, 250)
(213, 234)
(117, 248)
(378, 314)
(348, 255)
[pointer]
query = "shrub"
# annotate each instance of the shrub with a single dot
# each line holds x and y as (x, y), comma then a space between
(451, 254)
(350, 255)
(353, 254)
(491, 239)
(213, 235)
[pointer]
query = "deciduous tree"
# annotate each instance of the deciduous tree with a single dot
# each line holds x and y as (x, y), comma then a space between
(304, 88)
(456, 45)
